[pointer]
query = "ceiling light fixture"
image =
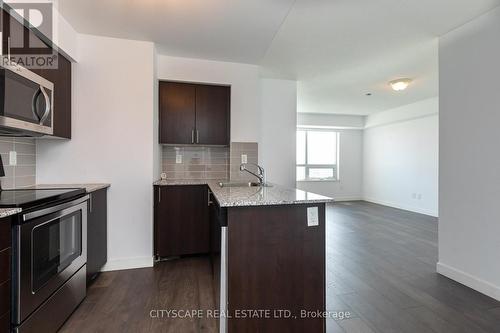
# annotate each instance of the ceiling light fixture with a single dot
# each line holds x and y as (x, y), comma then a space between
(400, 84)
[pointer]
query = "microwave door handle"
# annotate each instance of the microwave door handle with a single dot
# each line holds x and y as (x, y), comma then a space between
(47, 106)
(34, 104)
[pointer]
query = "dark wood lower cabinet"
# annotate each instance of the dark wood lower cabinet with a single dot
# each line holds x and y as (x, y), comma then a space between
(276, 262)
(270, 258)
(97, 233)
(5, 323)
(217, 219)
(5, 297)
(5, 262)
(181, 220)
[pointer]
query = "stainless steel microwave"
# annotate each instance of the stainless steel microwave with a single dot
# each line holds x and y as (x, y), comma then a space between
(26, 102)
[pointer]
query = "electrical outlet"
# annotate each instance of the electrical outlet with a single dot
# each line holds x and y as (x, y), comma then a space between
(13, 158)
(178, 159)
(419, 196)
(312, 217)
(414, 196)
(244, 158)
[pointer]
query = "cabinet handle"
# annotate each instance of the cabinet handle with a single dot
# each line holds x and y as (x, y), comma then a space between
(159, 194)
(208, 199)
(197, 136)
(8, 48)
(192, 136)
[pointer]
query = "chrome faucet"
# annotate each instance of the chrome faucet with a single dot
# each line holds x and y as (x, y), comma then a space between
(260, 175)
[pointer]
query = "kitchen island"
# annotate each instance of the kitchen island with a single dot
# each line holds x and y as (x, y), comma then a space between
(268, 252)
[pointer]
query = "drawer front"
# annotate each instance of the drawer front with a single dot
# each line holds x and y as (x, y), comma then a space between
(5, 237)
(4, 265)
(4, 297)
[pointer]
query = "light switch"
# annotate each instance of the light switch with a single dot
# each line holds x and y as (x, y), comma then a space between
(12, 158)
(312, 217)
(244, 158)
(178, 159)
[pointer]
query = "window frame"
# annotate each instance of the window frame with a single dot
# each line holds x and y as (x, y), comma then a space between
(307, 166)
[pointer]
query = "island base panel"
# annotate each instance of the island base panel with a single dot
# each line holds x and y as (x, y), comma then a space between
(275, 262)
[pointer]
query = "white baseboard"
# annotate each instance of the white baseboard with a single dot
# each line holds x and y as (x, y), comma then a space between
(470, 281)
(403, 207)
(128, 263)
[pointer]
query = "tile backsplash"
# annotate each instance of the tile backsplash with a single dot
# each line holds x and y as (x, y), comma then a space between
(251, 149)
(208, 162)
(24, 173)
(195, 162)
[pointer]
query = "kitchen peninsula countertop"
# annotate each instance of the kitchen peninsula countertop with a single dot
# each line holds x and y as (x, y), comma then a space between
(4, 212)
(252, 196)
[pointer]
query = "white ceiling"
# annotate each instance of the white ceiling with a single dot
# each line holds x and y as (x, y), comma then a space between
(338, 50)
(226, 30)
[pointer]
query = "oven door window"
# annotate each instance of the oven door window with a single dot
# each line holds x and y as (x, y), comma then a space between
(55, 245)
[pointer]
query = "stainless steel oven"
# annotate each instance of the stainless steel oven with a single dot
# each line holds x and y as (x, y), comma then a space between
(50, 253)
(26, 101)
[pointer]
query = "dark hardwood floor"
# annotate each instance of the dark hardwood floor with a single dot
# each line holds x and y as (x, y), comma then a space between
(121, 301)
(381, 265)
(380, 278)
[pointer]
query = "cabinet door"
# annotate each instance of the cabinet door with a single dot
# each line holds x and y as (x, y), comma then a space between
(20, 40)
(212, 115)
(181, 220)
(61, 77)
(5, 323)
(177, 112)
(5, 273)
(97, 233)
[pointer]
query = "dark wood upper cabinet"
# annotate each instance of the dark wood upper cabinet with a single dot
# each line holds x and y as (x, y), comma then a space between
(194, 114)
(177, 113)
(61, 77)
(182, 223)
(212, 115)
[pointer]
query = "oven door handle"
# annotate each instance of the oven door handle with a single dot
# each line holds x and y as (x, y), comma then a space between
(53, 209)
(48, 105)
(34, 104)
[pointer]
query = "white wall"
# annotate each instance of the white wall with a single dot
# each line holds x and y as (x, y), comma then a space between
(157, 154)
(278, 130)
(245, 89)
(349, 186)
(469, 227)
(322, 120)
(112, 141)
(64, 36)
(401, 157)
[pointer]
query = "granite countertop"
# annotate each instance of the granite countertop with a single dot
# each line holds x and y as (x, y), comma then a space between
(173, 182)
(252, 196)
(88, 187)
(4, 212)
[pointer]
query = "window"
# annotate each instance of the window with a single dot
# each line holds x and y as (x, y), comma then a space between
(317, 155)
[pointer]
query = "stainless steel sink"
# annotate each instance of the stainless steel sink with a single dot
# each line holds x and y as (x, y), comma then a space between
(243, 184)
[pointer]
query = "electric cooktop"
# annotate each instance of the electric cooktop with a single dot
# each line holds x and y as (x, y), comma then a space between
(30, 198)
